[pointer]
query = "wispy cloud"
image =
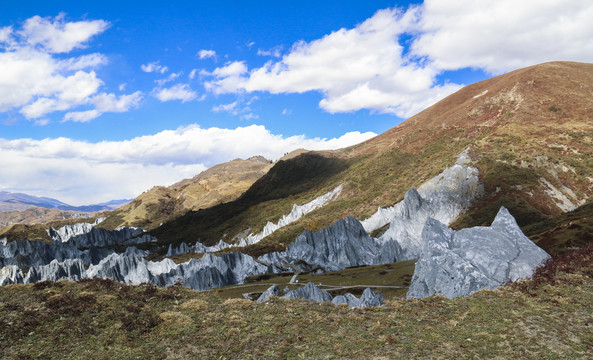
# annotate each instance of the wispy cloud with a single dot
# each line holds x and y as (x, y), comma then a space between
(177, 92)
(273, 52)
(206, 54)
(154, 67)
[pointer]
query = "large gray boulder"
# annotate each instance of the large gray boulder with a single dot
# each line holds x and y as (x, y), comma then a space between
(459, 263)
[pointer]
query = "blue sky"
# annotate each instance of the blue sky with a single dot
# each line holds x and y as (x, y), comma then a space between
(104, 100)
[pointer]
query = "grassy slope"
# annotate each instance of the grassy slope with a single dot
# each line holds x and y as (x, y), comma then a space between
(549, 317)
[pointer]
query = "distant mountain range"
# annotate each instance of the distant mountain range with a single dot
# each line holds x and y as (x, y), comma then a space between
(19, 201)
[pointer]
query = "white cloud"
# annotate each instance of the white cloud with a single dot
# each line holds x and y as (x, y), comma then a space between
(169, 78)
(34, 81)
(231, 108)
(80, 172)
(58, 36)
(273, 52)
(205, 54)
(105, 103)
(250, 116)
(82, 116)
(5, 34)
(238, 107)
(154, 67)
(366, 67)
(503, 35)
(192, 74)
(286, 112)
(111, 103)
(176, 92)
(122, 86)
(358, 68)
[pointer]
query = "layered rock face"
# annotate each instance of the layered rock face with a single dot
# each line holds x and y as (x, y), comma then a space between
(459, 263)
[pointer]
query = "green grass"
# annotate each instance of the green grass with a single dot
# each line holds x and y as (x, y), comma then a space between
(392, 280)
(101, 319)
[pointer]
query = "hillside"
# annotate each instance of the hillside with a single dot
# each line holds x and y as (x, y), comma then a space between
(529, 132)
(219, 184)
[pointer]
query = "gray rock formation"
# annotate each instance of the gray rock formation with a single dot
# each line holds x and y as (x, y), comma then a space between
(273, 290)
(11, 274)
(341, 245)
(36, 253)
(312, 293)
(309, 292)
(369, 298)
(459, 263)
(71, 269)
(443, 198)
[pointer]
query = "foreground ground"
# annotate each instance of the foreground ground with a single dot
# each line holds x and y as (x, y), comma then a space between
(549, 317)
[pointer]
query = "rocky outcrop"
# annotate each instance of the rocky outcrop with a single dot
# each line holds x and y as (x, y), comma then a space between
(309, 292)
(369, 298)
(272, 291)
(341, 245)
(443, 197)
(11, 274)
(459, 263)
(70, 269)
(36, 253)
(312, 293)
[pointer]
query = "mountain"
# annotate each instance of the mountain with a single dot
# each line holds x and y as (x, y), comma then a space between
(529, 133)
(520, 143)
(18, 201)
(218, 184)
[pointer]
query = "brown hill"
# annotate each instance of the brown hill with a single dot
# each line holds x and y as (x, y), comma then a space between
(218, 184)
(530, 132)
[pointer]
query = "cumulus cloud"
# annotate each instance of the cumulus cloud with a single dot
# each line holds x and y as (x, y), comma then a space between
(58, 36)
(154, 67)
(205, 54)
(358, 68)
(81, 172)
(176, 92)
(505, 34)
(35, 82)
(367, 67)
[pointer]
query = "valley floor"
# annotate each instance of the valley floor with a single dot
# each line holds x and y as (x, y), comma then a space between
(550, 316)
